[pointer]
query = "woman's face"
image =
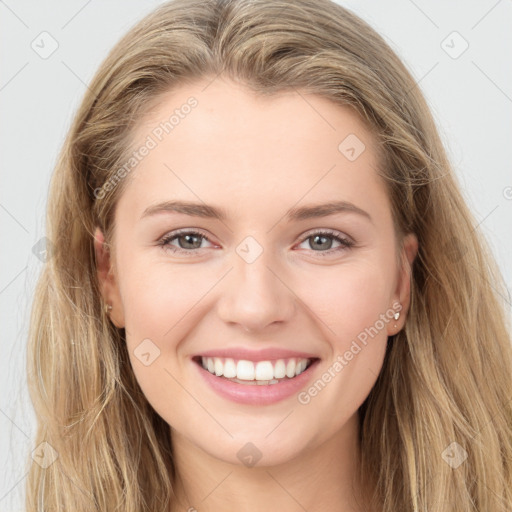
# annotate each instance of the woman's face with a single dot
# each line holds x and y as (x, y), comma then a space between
(269, 275)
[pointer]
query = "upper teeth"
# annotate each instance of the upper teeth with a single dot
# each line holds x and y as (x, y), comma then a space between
(248, 370)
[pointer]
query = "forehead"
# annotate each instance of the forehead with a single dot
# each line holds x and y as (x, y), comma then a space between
(280, 119)
(219, 139)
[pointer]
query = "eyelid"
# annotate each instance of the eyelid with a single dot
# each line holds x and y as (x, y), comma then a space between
(329, 231)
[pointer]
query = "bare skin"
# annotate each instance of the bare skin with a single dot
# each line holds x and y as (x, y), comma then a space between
(256, 158)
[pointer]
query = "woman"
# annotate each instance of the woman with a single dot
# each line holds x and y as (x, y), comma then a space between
(266, 290)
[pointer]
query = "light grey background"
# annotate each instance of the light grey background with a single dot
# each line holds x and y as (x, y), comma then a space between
(471, 97)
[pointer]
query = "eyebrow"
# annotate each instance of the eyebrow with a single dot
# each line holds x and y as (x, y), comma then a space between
(293, 214)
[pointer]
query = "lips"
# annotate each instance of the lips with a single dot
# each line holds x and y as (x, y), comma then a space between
(255, 392)
(266, 354)
(255, 377)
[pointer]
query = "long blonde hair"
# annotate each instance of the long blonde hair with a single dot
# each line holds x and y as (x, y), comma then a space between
(447, 376)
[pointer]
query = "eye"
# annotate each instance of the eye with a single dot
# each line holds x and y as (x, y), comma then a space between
(323, 240)
(188, 240)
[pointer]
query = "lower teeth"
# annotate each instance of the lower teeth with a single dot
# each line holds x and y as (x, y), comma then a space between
(257, 382)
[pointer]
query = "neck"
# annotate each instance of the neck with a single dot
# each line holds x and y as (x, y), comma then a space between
(323, 478)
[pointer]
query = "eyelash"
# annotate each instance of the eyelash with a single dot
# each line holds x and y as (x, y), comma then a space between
(345, 242)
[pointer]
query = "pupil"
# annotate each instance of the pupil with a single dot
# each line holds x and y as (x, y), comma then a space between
(188, 239)
(321, 237)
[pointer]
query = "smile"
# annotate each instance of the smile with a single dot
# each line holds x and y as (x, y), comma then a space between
(255, 373)
(261, 382)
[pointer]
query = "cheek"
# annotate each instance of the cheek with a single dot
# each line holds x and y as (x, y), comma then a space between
(157, 301)
(161, 303)
(157, 296)
(348, 299)
(353, 303)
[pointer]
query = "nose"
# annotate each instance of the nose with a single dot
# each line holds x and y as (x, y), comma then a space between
(256, 296)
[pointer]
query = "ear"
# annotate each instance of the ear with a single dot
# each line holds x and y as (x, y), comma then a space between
(107, 280)
(403, 288)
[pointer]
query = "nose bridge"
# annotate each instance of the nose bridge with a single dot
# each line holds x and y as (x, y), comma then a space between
(255, 296)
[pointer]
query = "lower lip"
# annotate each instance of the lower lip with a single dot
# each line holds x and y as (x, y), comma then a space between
(257, 394)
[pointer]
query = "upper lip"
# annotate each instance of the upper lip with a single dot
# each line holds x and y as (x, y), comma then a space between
(266, 354)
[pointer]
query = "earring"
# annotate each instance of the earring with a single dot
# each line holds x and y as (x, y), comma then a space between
(396, 316)
(107, 308)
